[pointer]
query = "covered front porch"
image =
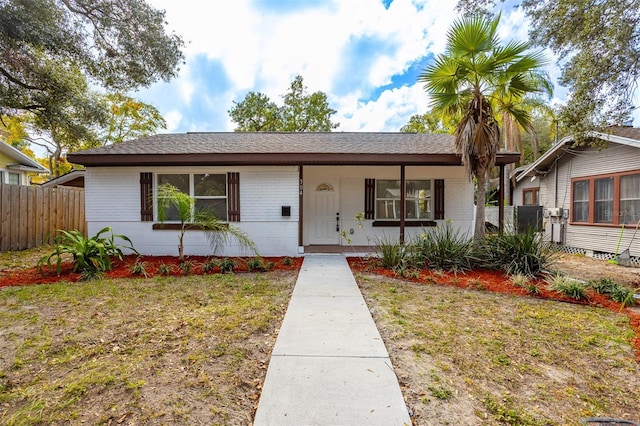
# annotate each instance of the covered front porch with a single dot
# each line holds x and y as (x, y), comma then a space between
(352, 208)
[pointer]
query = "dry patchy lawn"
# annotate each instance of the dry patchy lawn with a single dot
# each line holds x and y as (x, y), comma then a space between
(170, 350)
(468, 357)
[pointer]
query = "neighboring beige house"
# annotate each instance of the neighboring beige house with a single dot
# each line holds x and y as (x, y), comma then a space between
(590, 194)
(15, 166)
(292, 193)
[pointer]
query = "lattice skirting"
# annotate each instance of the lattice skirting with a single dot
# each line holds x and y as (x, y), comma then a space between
(635, 260)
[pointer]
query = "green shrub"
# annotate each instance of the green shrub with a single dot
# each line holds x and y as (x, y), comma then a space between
(226, 265)
(287, 261)
(623, 295)
(185, 267)
(209, 265)
(525, 253)
(603, 285)
(568, 286)
(616, 291)
(392, 253)
(164, 269)
(445, 248)
(258, 264)
(91, 256)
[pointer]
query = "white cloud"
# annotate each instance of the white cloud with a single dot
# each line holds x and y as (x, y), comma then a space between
(387, 114)
(263, 50)
(173, 119)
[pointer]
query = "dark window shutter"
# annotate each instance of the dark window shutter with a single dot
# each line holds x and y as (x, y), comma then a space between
(369, 198)
(146, 197)
(233, 197)
(438, 199)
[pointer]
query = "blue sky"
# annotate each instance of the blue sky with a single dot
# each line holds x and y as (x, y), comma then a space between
(364, 54)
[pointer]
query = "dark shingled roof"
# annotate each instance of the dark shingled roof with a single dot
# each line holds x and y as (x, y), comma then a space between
(625, 132)
(302, 143)
(276, 148)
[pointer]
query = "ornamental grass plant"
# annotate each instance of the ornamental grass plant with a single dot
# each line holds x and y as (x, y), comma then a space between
(526, 253)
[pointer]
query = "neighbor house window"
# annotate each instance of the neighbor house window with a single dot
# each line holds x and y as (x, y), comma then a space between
(418, 199)
(14, 178)
(612, 199)
(630, 198)
(530, 196)
(208, 190)
(581, 201)
(603, 200)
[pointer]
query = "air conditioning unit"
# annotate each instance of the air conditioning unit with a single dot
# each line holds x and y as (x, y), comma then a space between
(554, 212)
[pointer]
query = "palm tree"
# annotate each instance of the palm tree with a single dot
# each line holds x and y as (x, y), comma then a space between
(218, 233)
(475, 80)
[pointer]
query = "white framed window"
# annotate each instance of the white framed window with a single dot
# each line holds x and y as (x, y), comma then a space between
(209, 191)
(418, 199)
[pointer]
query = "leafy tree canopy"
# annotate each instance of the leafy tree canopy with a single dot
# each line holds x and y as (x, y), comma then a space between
(53, 51)
(598, 44)
(128, 118)
(429, 122)
(301, 112)
(116, 44)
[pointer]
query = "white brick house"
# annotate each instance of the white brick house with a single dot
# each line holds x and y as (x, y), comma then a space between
(290, 192)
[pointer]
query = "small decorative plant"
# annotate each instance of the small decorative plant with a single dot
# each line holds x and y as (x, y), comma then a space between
(210, 265)
(91, 256)
(569, 287)
(226, 265)
(218, 233)
(164, 269)
(287, 261)
(140, 268)
(185, 267)
(258, 264)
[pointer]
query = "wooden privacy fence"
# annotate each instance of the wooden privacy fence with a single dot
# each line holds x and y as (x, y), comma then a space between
(31, 215)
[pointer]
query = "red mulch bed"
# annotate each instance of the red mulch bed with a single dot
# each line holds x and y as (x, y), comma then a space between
(124, 269)
(498, 282)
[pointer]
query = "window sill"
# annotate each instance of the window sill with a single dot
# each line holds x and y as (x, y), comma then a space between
(178, 227)
(407, 223)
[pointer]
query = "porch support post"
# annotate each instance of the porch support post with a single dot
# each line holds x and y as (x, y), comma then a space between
(403, 187)
(300, 209)
(501, 201)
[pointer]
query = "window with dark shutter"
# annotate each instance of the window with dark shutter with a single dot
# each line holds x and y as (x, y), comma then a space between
(146, 197)
(369, 198)
(233, 196)
(438, 199)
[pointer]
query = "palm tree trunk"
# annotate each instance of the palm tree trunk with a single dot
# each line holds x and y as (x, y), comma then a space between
(181, 245)
(481, 200)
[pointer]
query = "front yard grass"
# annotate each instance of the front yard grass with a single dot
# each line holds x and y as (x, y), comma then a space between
(166, 350)
(468, 357)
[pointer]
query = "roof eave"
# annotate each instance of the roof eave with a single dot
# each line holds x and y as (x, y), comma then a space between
(24, 168)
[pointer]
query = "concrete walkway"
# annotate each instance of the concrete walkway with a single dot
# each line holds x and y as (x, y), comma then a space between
(329, 365)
